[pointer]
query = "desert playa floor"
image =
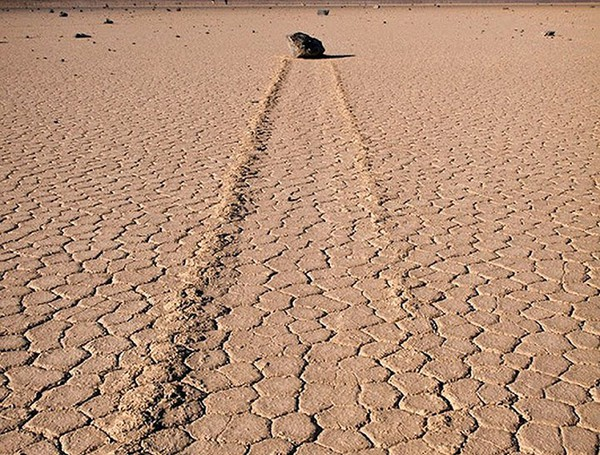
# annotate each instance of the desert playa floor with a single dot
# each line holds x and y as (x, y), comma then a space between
(210, 248)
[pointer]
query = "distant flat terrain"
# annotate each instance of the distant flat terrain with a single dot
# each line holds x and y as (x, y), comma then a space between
(261, 3)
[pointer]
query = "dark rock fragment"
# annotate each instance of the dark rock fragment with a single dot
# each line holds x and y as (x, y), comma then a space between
(323, 12)
(305, 46)
(63, 14)
(82, 35)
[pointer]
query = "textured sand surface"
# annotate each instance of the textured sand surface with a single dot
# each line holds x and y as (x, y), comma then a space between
(207, 247)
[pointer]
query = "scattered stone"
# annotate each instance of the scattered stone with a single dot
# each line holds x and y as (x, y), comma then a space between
(82, 35)
(109, 21)
(323, 12)
(63, 14)
(305, 46)
(51, 11)
(550, 33)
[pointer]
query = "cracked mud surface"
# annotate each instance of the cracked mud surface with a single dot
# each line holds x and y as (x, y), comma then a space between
(391, 253)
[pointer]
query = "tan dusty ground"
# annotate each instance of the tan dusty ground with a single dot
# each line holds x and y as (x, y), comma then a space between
(209, 248)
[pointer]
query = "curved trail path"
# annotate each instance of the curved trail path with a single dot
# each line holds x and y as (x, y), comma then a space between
(310, 342)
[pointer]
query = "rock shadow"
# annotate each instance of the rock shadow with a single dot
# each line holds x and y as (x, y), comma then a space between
(334, 56)
(326, 57)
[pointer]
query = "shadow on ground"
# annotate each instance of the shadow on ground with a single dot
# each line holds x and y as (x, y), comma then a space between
(337, 56)
(325, 57)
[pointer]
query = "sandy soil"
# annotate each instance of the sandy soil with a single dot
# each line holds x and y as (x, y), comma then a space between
(208, 247)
